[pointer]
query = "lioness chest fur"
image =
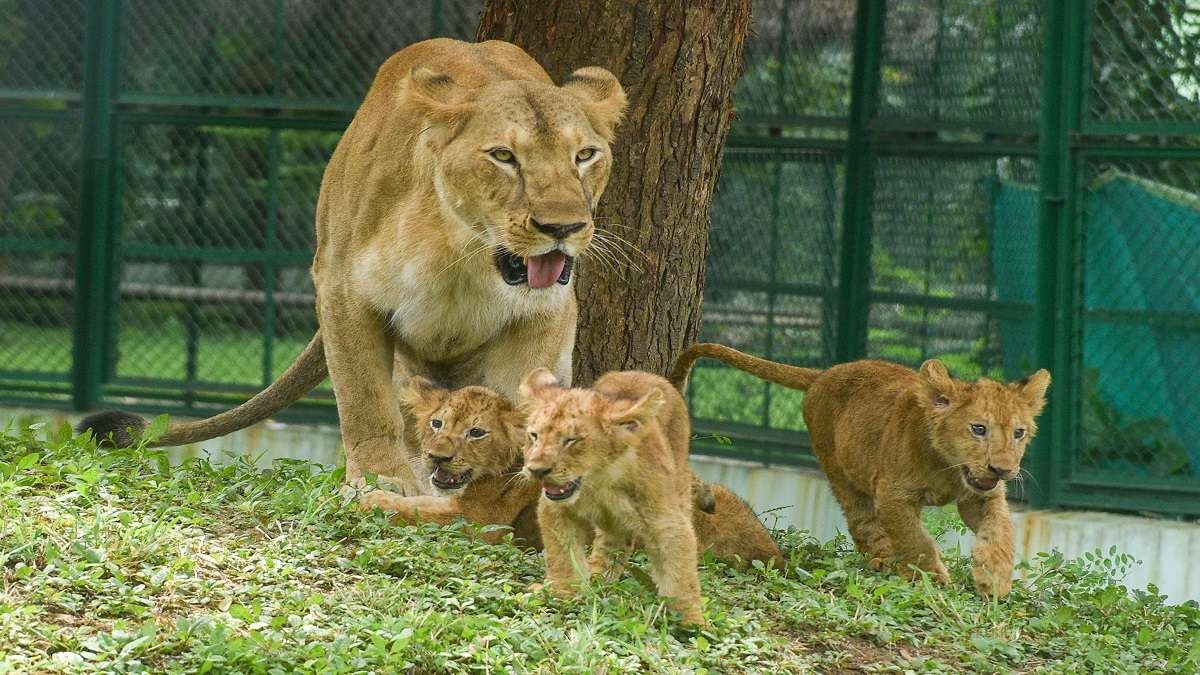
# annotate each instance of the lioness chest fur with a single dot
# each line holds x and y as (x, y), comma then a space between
(612, 461)
(892, 440)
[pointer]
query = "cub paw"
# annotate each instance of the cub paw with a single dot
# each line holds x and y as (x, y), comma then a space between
(378, 499)
(937, 572)
(991, 583)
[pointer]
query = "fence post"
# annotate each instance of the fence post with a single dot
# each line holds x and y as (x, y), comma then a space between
(853, 306)
(94, 271)
(1064, 64)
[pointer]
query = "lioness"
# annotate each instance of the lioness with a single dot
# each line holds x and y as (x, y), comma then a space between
(448, 222)
(472, 439)
(613, 461)
(892, 440)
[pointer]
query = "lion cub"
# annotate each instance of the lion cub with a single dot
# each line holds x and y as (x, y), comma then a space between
(613, 460)
(892, 440)
(472, 439)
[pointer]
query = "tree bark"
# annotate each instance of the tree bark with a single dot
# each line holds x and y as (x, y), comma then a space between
(678, 61)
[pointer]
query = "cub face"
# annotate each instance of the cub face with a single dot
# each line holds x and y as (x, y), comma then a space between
(577, 438)
(984, 426)
(522, 164)
(466, 434)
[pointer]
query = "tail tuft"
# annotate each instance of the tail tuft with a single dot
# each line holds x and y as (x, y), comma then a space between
(113, 428)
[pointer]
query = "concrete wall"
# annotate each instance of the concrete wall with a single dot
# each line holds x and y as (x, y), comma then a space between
(790, 497)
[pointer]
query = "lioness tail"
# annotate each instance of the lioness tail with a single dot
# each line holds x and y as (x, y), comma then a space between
(793, 377)
(305, 373)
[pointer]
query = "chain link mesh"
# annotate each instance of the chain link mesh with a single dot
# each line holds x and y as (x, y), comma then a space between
(962, 61)
(1145, 61)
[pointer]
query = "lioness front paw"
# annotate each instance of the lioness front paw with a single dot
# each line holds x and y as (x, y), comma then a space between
(992, 583)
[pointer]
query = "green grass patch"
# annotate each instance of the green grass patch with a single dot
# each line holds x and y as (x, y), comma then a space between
(119, 561)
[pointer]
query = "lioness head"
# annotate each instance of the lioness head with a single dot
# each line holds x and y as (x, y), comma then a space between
(466, 434)
(578, 435)
(522, 164)
(981, 427)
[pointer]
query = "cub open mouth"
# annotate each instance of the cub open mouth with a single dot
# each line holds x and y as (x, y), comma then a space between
(448, 480)
(981, 484)
(560, 492)
(539, 271)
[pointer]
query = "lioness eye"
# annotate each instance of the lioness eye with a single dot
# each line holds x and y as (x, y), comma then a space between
(568, 442)
(476, 432)
(585, 154)
(503, 155)
(532, 436)
(1018, 433)
(979, 430)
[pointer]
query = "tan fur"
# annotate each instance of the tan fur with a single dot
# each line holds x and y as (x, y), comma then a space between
(414, 205)
(892, 440)
(624, 444)
(498, 494)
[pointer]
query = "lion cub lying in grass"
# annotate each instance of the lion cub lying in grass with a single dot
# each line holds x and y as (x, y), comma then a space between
(472, 440)
(613, 461)
(892, 440)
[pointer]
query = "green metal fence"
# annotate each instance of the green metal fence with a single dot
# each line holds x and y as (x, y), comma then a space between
(1005, 184)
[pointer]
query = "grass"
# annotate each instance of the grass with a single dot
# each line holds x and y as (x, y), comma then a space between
(117, 561)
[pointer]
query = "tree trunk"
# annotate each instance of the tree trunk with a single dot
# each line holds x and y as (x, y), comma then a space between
(678, 62)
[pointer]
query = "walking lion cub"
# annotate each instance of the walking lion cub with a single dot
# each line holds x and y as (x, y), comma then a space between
(892, 440)
(613, 460)
(472, 439)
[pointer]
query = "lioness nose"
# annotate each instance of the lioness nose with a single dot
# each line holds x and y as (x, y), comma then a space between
(558, 230)
(540, 472)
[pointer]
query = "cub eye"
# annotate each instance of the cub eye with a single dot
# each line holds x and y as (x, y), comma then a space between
(435, 423)
(585, 154)
(476, 432)
(1018, 433)
(532, 436)
(979, 430)
(503, 155)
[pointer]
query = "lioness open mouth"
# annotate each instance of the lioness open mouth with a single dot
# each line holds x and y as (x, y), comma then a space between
(981, 484)
(539, 271)
(560, 492)
(448, 480)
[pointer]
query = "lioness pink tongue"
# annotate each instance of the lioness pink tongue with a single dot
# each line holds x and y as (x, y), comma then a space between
(544, 270)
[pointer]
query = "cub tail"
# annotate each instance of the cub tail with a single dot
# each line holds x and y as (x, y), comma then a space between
(116, 428)
(793, 377)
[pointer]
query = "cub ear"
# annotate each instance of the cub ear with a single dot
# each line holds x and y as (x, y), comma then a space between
(601, 95)
(939, 388)
(513, 420)
(421, 394)
(631, 418)
(439, 97)
(537, 382)
(1033, 389)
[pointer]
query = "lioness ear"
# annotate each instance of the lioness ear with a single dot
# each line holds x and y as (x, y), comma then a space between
(1033, 389)
(602, 98)
(937, 384)
(536, 382)
(421, 394)
(631, 418)
(439, 97)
